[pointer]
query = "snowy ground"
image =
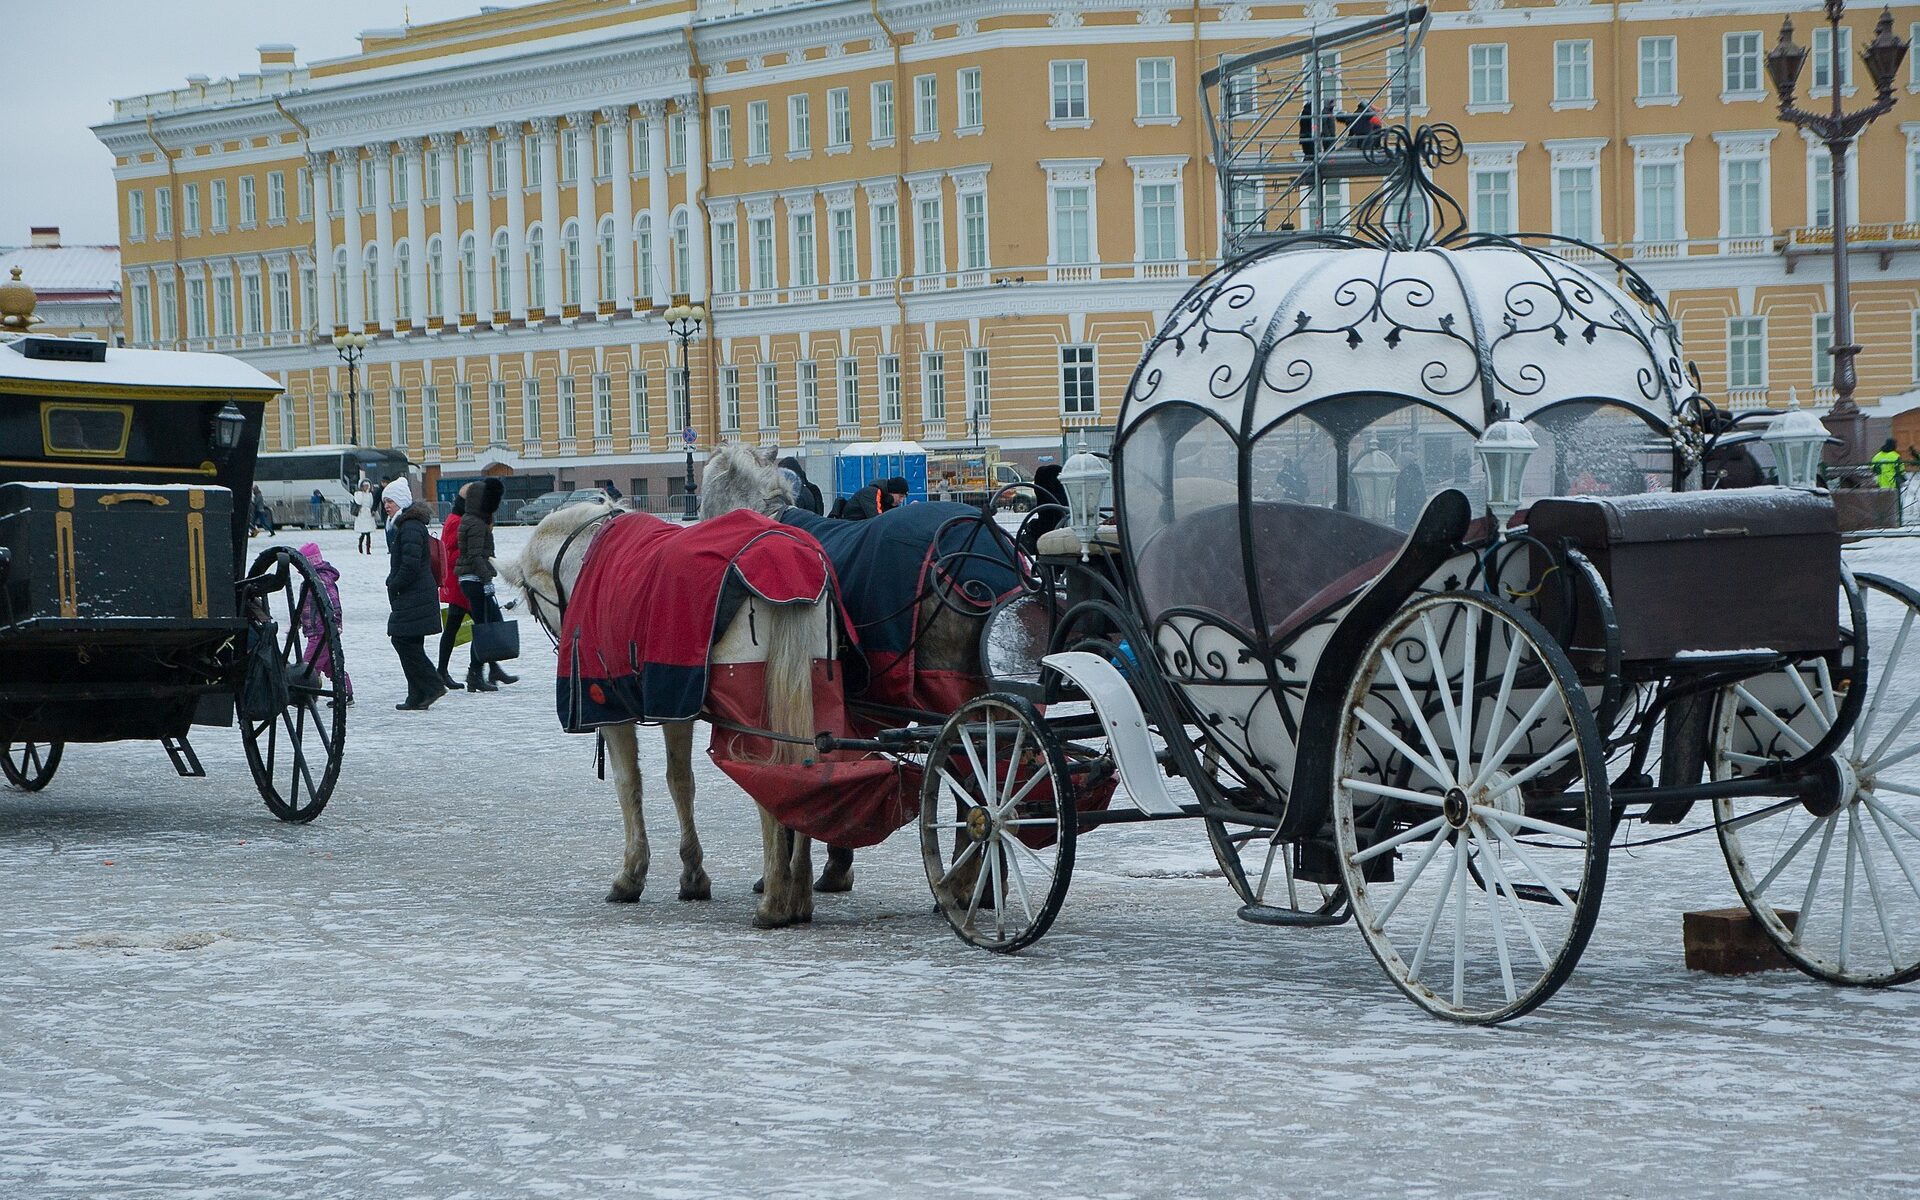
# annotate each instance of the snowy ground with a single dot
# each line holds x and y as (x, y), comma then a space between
(424, 994)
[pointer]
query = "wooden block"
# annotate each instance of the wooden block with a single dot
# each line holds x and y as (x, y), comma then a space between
(1728, 941)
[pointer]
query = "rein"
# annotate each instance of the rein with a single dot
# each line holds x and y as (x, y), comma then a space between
(559, 599)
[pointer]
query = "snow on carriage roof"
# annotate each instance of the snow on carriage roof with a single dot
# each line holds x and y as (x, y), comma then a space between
(1468, 331)
(123, 368)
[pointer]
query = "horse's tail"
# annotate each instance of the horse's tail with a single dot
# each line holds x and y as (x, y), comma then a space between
(790, 653)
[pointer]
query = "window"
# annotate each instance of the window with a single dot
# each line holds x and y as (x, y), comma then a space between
(1658, 80)
(603, 149)
(979, 403)
(336, 183)
(430, 175)
(973, 231)
(1820, 199)
(530, 410)
(642, 154)
(569, 155)
(890, 388)
(1159, 221)
(1077, 395)
(1153, 88)
(933, 387)
(1237, 91)
(799, 125)
(366, 182)
(808, 376)
(397, 414)
(1740, 65)
(168, 298)
(463, 414)
(602, 406)
(643, 250)
(276, 195)
(253, 316)
(1820, 59)
(403, 271)
(1487, 74)
(882, 112)
(190, 212)
(502, 271)
(1575, 212)
(531, 147)
(1659, 202)
(769, 396)
(682, 252)
(567, 398)
(721, 118)
(1823, 349)
(469, 284)
(303, 183)
(223, 305)
(163, 212)
(1573, 72)
(282, 301)
(397, 170)
(726, 257)
(973, 109)
(637, 415)
(1072, 224)
(926, 106)
(1492, 199)
(839, 119)
(849, 376)
(1406, 79)
(761, 230)
(570, 263)
(1069, 79)
(932, 241)
(136, 215)
(1745, 181)
(463, 169)
(886, 241)
(142, 314)
(336, 417)
(607, 260)
(340, 285)
(309, 294)
(249, 203)
(676, 401)
(430, 415)
(497, 413)
(536, 267)
(845, 266)
(759, 131)
(218, 195)
(1746, 352)
(497, 164)
(805, 256)
(286, 420)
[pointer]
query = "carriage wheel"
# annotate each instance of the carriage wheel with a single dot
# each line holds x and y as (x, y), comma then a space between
(295, 754)
(1845, 864)
(29, 766)
(1470, 807)
(997, 823)
(1259, 869)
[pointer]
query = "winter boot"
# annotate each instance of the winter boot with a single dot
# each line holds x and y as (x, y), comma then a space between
(477, 680)
(498, 676)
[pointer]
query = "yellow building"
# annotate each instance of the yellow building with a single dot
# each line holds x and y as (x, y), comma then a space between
(946, 220)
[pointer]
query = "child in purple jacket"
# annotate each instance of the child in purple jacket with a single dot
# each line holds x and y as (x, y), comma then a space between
(318, 655)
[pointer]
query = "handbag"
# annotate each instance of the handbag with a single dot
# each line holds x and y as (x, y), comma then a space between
(496, 641)
(264, 689)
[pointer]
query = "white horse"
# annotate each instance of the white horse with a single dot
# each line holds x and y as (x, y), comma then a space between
(786, 637)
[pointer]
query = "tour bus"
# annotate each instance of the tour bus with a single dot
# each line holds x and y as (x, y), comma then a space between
(288, 480)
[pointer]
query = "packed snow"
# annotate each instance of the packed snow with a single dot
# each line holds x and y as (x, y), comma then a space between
(424, 994)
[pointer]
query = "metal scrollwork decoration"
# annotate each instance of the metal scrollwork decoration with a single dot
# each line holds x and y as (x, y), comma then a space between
(1409, 211)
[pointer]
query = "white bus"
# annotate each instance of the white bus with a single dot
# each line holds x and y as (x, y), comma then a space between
(288, 480)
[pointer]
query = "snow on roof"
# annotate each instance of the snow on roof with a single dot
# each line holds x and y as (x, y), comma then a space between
(862, 449)
(1894, 405)
(52, 271)
(137, 369)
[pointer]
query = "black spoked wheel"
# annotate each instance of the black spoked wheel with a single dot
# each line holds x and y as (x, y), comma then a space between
(29, 766)
(1470, 807)
(295, 752)
(997, 823)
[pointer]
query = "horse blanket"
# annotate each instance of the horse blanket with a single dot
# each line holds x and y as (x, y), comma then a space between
(886, 565)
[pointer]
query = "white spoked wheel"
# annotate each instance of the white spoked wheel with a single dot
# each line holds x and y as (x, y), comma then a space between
(1470, 807)
(1834, 879)
(997, 823)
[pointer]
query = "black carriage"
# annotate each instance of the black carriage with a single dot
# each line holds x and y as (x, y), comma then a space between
(128, 607)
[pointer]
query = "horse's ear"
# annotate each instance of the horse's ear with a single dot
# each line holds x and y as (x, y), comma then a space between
(764, 456)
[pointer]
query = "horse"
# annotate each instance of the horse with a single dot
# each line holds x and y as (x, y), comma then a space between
(786, 637)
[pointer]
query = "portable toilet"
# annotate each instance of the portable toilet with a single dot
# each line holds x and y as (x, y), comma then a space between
(863, 463)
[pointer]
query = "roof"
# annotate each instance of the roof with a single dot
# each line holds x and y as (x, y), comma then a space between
(55, 272)
(866, 449)
(155, 369)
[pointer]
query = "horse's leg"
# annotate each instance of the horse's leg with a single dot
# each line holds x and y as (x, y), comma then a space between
(623, 751)
(837, 875)
(800, 872)
(775, 908)
(694, 884)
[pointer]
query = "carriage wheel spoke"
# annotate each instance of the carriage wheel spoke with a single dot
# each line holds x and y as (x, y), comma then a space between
(1501, 881)
(1492, 762)
(1445, 690)
(1793, 852)
(959, 861)
(1266, 869)
(1460, 922)
(1469, 711)
(1026, 789)
(1033, 854)
(1541, 765)
(1748, 760)
(1873, 884)
(1906, 868)
(979, 889)
(1492, 897)
(1865, 728)
(1392, 793)
(1806, 698)
(1813, 880)
(980, 776)
(996, 854)
(1431, 769)
(1761, 814)
(1013, 765)
(1899, 727)
(1379, 922)
(1898, 789)
(1526, 860)
(1378, 848)
(1501, 815)
(1846, 898)
(1439, 906)
(1439, 758)
(1498, 716)
(1829, 703)
(1772, 718)
(1020, 886)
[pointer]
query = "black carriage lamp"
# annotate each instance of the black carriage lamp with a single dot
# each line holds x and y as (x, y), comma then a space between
(1374, 477)
(229, 424)
(1084, 477)
(1503, 451)
(1797, 439)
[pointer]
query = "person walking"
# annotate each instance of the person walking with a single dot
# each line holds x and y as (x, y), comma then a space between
(410, 593)
(318, 654)
(262, 514)
(453, 601)
(473, 567)
(363, 516)
(1886, 465)
(317, 503)
(806, 495)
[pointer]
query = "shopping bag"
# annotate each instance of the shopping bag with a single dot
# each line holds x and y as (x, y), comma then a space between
(496, 641)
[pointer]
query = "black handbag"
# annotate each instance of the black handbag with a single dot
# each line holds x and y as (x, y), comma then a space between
(264, 687)
(496, 641)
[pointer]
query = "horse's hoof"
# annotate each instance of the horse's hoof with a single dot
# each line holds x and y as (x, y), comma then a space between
(763, 921)
(760, 886)
(834, 883)
(699, 889)
(805, 918)
(624, 893)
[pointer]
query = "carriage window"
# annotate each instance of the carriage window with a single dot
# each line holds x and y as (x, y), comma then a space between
(85, 430)
(1588, 448)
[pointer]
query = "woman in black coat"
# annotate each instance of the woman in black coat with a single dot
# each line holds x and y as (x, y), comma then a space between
(473, 567)
(411, 593)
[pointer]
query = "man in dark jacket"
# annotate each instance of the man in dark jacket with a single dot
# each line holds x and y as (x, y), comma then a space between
(876, 498)
(806, 495)
(412, 593)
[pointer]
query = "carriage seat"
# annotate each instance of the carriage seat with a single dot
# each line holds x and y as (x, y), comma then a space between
(1063, 541)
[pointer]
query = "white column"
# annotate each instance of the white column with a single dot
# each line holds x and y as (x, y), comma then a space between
(696, 204)
(382, 155)
(656, 114)
(350, 234)
(484, 301)
(323, 318)
(417, 266)
(549, 130)
(443, 145)
(584, 210)
(510, 133)
(621, 169)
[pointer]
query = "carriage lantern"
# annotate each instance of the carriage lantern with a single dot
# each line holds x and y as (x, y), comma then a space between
(1374, 476)
(228, 424)
(1084, 478)
(1503, 451)
(1797, 437)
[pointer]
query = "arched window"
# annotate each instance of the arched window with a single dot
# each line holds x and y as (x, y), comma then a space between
(436, 263)
(536, 267)
(570, 264)
(682, 264)
(370, 282)
(403, 281)
(340, 285)
(643, 248)
(608, 277)
(469, 284)
(502, 272)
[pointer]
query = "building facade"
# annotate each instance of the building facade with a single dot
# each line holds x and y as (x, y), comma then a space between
(947, 220)
(76, 288)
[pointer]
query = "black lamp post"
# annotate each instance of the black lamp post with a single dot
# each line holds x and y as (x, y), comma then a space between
(1839, 129)
(683, 322)
(350, 347)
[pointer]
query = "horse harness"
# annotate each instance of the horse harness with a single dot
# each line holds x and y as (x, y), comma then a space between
(559, 599)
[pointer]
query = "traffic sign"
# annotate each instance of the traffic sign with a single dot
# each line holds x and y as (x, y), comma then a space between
(690, 436)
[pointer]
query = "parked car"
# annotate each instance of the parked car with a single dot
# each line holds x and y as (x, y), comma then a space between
(536, 509)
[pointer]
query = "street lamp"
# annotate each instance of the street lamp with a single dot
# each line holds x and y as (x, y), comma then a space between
(683, 322)
(350, 347)
(1374, 475)
(1839, 129)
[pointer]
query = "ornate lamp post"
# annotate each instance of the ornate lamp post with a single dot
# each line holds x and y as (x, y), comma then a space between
(350, 347)
(1839, 129)
(683, 322)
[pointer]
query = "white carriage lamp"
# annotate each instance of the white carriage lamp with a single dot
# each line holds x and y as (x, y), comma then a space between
(1796, 438)
(1503, 451)
(1373, 478)
(1084, 478)
(228, 426)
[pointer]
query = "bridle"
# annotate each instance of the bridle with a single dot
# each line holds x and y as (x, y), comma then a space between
(558, 600)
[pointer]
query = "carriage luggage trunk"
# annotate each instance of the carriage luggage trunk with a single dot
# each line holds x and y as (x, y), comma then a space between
(1715, 572)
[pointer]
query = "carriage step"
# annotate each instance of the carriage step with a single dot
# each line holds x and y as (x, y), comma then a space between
(1266, 914)
(185, 761)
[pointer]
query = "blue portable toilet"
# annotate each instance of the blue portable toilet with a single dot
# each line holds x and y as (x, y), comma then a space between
(863, 463)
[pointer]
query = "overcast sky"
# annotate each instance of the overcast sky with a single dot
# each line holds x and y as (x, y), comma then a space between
(66, 60)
